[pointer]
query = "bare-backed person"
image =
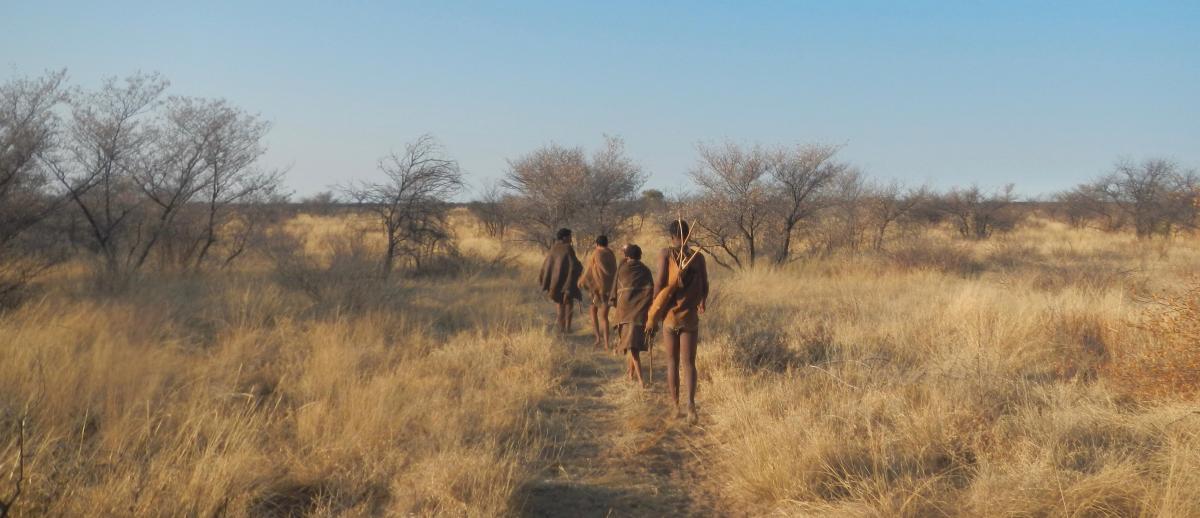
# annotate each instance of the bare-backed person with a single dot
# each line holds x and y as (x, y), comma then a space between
(681, 292)
(559, 277)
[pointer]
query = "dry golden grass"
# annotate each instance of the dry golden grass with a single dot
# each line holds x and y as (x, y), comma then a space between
(229, 395)
(941, 378)
(870, 389)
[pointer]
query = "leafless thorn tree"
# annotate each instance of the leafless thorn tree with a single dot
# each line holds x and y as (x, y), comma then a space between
(412, 203)
(109, 137)
(1084, 205)
(492, 209)
(736, 200)
(977, 214)
(889, 204)
(613, 181)
(231, 176)
(800, 174)
(555, 187)
(28, 129)
(1156, 195)
(546, 184)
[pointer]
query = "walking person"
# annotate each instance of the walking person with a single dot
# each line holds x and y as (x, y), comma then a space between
(559, 277)
(597, 282)
(632, 295)
(681, 292)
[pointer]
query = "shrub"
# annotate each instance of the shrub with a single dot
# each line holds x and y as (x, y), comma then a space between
(1163, 361)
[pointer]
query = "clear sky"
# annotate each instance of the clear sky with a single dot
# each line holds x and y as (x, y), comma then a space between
(1042, 94)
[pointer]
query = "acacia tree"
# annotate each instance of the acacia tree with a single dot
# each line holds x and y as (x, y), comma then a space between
(613, 181)
(204, 162)
(554, 186)
(800, 174)
(736, 201)
(889, 204)
(1156, 195)
(231, 176)
(108, 140)
(1085, 204)
(842, 224)
(651, 203)
(160, 178)
(546, 184)
(753, 201)
(412, 204)
(492, 209)
(977, 214)
(172, 173)
(28, 128)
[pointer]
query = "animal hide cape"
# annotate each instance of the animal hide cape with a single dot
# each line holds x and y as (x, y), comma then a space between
(560, 273)
(598, 276)
(632, 293)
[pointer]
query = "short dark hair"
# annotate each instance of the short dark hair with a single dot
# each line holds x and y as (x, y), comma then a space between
(678, 228)
(563, 234)
(602, 240)
(633, 251)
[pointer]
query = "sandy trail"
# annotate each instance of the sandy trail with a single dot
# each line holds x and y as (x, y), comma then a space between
(617, 450)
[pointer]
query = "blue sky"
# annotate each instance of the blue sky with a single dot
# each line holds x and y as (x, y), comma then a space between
(1041, 94)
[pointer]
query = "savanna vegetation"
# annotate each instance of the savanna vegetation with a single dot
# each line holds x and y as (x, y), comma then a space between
(179, 338)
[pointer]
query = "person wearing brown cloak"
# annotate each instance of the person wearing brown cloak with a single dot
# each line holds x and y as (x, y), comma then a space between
(632, 295)
(681, 293)
(597, 282)
(559, 277)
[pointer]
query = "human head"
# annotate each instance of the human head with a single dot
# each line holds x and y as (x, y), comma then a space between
(563, 234)
(601, 240)
(633, 251)
(678, 230)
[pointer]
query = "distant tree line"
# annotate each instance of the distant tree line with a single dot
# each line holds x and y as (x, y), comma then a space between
(1154, 197)
(756, 204)
(750, 204)
(129, 178)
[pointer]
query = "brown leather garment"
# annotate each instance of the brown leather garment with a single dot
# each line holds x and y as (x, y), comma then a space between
(632, 293)
(560, 273)
(598, 275)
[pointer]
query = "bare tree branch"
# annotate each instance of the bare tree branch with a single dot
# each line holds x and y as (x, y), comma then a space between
(412, 204)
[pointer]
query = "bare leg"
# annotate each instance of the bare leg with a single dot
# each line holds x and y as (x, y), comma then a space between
(671, 344)
(570, 307)
(635, 366)
(564, 315)
(595, 311)
(603, 325)
(687, 347)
